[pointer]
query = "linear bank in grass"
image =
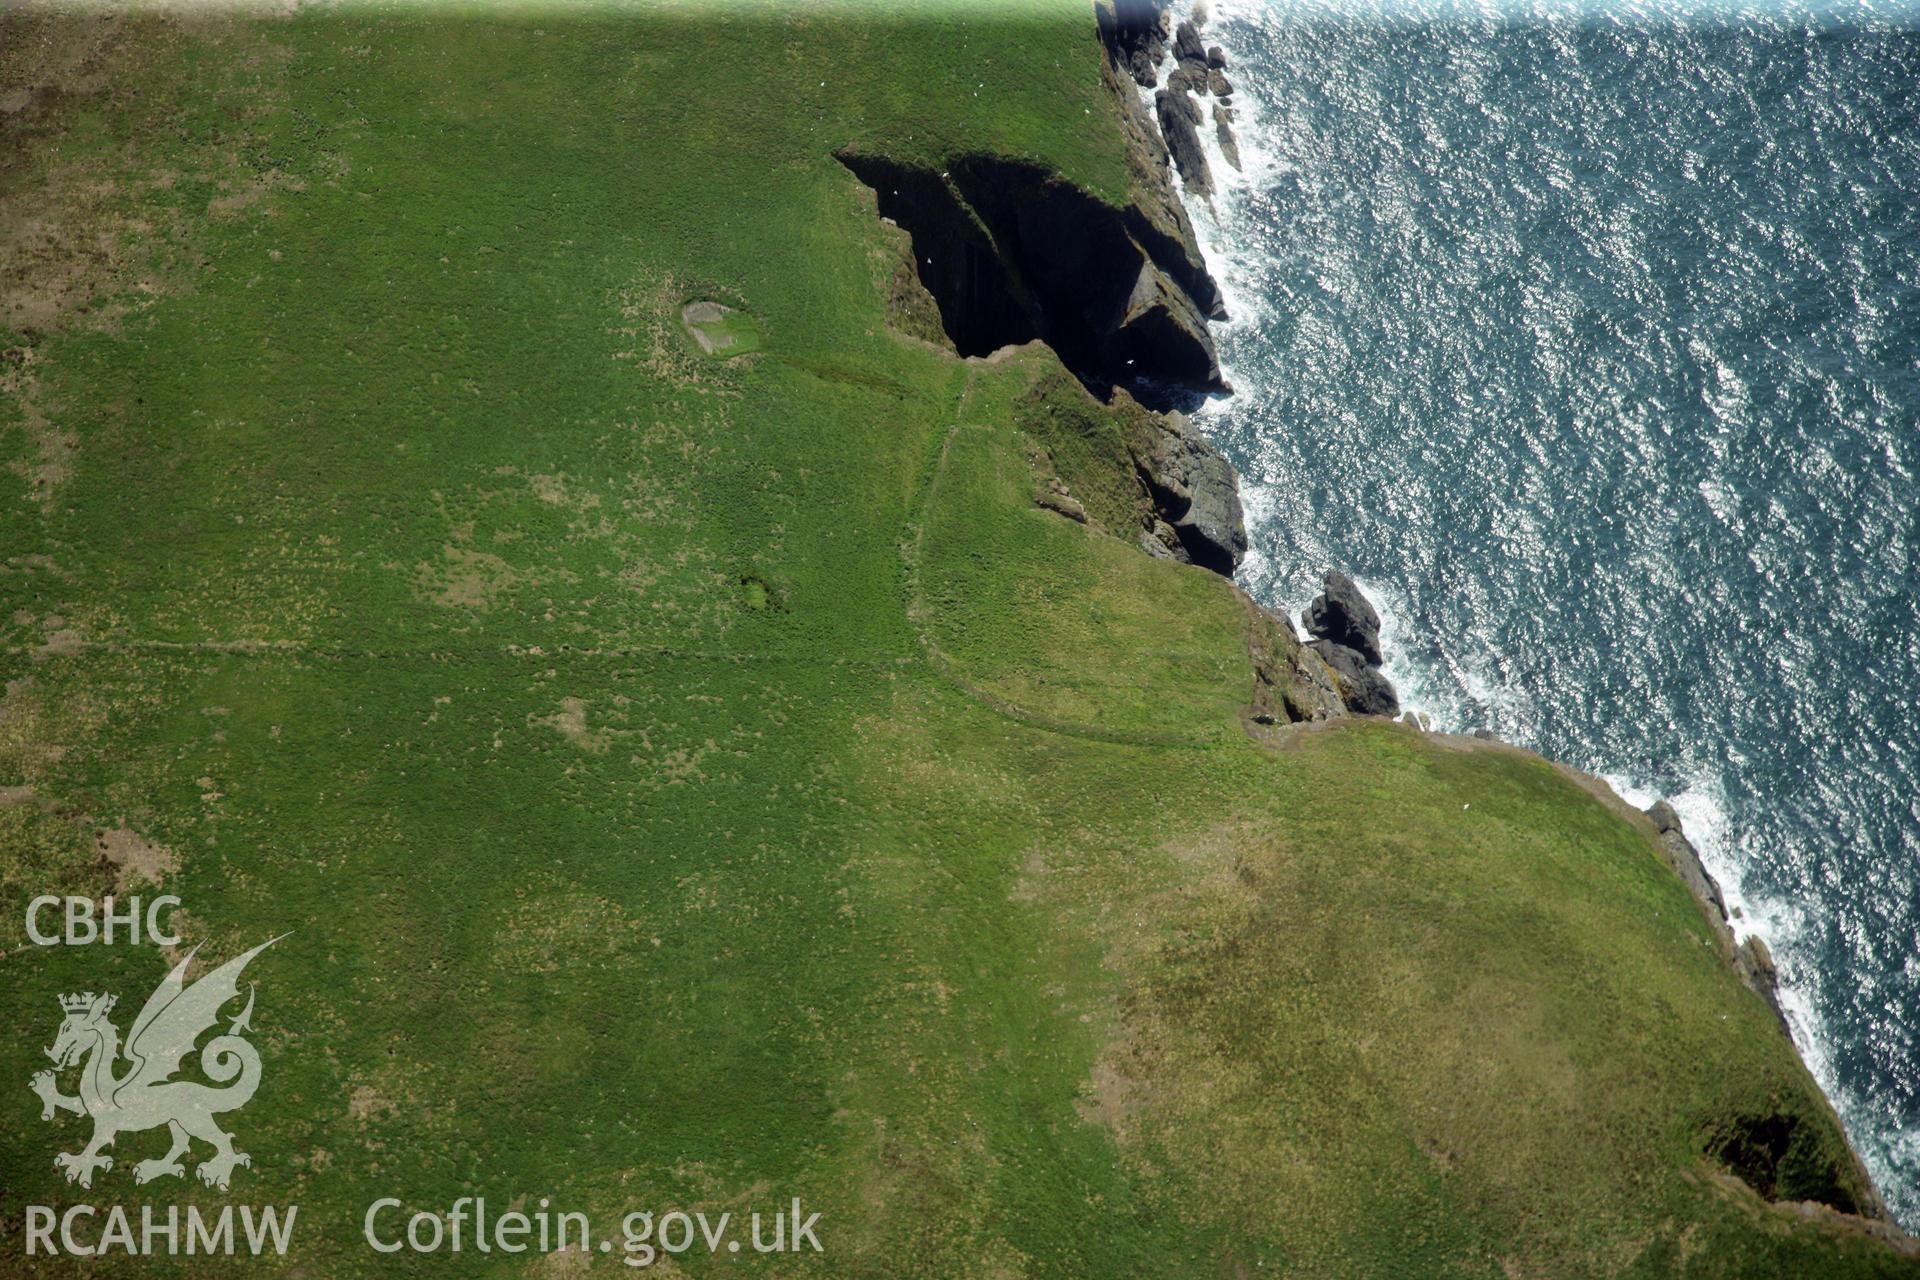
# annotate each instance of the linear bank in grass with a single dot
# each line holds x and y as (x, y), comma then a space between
(694, 773)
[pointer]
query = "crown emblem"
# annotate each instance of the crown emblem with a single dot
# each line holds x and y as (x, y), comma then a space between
(144, 1093)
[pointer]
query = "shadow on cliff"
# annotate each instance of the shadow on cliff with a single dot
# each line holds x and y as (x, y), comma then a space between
(1011, 253)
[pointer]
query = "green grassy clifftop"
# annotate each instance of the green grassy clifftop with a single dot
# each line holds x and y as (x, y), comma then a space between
(703, 778)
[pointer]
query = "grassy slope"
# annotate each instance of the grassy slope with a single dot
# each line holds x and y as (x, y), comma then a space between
(700, 782)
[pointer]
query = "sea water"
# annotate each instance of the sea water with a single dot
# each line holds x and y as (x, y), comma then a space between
(1588, 340)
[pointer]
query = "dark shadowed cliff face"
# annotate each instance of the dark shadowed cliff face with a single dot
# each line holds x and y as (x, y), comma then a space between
(1136, 32)
(984, 304)
(1011, 253)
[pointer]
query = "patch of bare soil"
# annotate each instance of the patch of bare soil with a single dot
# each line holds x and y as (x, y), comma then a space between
(89, 236)
(466, 579)
(135, 859)
(570, 722)
(72, 231)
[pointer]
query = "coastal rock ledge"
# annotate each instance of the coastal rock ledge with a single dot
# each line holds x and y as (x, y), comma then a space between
(1012, 253)
(1750, 959)
(1196, 497)
(1346, 634)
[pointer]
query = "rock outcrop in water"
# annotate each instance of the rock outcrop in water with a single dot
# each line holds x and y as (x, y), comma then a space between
(1135, 32)
(1346, 631)
(1186, 43)
(1342, 614)
(1180, 118)
(1223, 134)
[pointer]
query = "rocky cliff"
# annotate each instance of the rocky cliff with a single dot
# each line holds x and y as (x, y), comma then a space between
(1339, 669)
(1012, 253)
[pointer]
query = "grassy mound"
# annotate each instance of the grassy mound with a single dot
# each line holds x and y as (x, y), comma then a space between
(699, 782)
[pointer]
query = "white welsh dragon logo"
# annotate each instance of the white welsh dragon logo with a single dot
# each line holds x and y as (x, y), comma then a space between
(146, 1096)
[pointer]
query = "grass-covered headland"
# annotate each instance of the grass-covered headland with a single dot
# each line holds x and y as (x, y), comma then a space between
(485, 490)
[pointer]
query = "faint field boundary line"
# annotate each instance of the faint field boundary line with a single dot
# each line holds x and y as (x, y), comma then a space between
(299, 648)
(912, 548)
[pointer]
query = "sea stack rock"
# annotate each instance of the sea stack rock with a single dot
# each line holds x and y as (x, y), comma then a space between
(1346, 633)
(1180, 119)
(1223, 131)
(1186, 43)
(1341, 614)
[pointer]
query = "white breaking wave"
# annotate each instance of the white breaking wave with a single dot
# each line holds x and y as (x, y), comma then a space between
(1459, 691)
